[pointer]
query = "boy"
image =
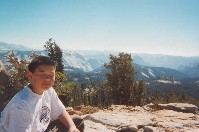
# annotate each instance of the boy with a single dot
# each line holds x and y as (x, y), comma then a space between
(32, 109)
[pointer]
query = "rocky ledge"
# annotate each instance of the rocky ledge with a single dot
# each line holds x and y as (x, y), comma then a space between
(173, 117)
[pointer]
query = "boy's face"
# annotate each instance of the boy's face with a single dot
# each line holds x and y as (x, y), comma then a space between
(42, 79)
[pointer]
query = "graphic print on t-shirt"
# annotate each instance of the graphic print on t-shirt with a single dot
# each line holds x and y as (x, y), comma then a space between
(44, 115)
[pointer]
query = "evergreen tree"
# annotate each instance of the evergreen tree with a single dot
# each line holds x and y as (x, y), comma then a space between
(171, 97)
(133, 96)
(141, 93)
(121, 77)
(55, 53)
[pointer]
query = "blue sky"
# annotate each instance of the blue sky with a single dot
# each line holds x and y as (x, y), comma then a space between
(136, 26)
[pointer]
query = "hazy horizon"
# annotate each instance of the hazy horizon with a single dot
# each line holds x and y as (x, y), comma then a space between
(95, 50)
(167, 27)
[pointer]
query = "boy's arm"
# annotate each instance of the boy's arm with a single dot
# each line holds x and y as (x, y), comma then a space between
(68, 122)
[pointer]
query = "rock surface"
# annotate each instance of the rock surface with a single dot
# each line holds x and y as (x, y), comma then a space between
(174, 117)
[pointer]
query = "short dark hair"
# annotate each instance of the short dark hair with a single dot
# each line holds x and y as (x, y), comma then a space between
(40, 60)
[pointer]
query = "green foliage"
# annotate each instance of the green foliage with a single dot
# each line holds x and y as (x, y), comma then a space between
(64, 88)
(18, 75)
(61, 86)
(139, 93)
(121, 77)
(2, 89)
(103, 96)
(55, 53)
(171, 97)
(93, 95)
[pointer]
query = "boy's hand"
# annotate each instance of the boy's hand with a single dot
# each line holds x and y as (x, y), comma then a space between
(73, 129)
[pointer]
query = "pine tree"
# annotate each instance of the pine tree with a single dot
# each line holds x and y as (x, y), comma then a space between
(121, 77)
(55, 53)
(141, 93)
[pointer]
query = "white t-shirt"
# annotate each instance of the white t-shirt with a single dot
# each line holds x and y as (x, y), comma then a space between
(29, 112)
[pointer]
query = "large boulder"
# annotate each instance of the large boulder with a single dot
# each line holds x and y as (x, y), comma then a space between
(149, 118)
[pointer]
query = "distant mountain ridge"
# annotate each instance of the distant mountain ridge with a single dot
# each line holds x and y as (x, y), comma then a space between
(192, 69)
(150, 73)
(78, 61)
(148, 66)
(7, 47)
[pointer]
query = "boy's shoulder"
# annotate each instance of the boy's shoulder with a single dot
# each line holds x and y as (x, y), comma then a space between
(19, 100)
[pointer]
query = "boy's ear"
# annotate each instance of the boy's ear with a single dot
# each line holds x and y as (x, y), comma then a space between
(28, 74)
